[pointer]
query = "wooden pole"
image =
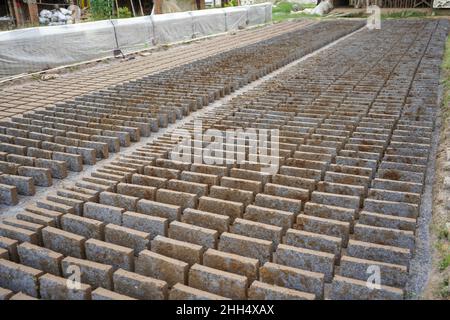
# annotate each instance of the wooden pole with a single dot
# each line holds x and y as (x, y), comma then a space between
(117, 8)
(140, 5)
(132, 8)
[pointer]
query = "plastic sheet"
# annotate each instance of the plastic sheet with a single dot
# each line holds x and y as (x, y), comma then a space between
(134, 34)
(236, 18)
(208, 22)
(36, 49)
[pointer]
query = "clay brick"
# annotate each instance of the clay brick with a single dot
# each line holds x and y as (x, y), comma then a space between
(218, 282)
(103, 294)
(25, 185)
(182, 199)
(218, 206)
(111, 254)
(158, 266)
(387, 221)
(127, 237)
(93, 273)
(180, 250)
(9, 167)
(330, 212)
(199, 189)
(11, 246)
(306, 259)
(283, 219)
(22, 296)
(105, 213)
(21, 160)
(313, 241)
(279, 203)
(287, 192)
(54, 206)
(88, 228)
(264, 291)
(350, 202)
(35, 218)
(93, 186)
(148, 181)
(149, 224)
(295, 182)
(55, 215)
(5, 294)
(17, 277)
(233, 263)
(142, 192)
(396, 196)
(113, 143)
(161, 172)
(19, 234)
(11, 148)
(235, 183)
(162, 210)
(88, 155)
(173, 164)
(385, 236)
(250, 175)
(378, 252)
(4, 254)
(392, 274)
(118, 200)
(351, 289)
(206, 219)
(39, 153)
(194, 234)
(40, 258)
(209, 169)
(55, 288)
(301, 172)
(329, 227)
(400, 209)
(74, 161)
(67, 243)
(138, 286)
(78, 194)
(257, 230)
(77, 205)
(58, 169)
(8, 195)
(182, 292)
(292, 278)
(229, 194)
(246, 246)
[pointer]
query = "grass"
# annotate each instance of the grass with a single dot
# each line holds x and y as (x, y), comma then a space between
(445, 262)
(404, 14)
(283, 11)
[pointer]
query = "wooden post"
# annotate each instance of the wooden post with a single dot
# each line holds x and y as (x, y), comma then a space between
(132, 8)
(142, 10)
(117, 8)
(34, 12)
(18, 13)
(157, 6)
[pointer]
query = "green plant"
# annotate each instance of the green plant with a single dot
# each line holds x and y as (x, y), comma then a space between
(445, 262)
(101, 9)
(231, 3)
(124, 12)
(444, 289)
